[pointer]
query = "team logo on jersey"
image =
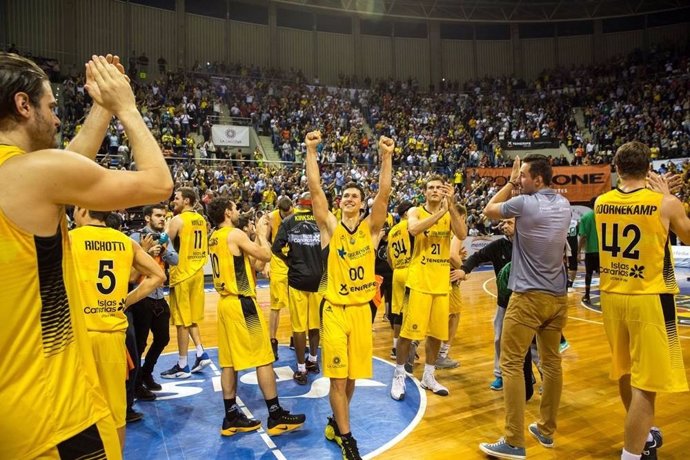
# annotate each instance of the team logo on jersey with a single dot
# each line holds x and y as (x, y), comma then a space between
(343, 289)
(636, 272)
(342, 252)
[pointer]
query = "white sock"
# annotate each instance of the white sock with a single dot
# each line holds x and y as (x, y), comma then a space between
(312, 358)
(302, 367)
(400, 369)
(199, 351)
(429, 369)
(395, 342)
(182, 361)
(628, 456)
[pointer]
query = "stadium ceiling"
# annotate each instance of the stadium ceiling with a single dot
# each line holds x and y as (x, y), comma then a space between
(492, 10)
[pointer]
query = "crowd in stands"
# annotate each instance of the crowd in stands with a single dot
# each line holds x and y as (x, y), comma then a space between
(450, 130)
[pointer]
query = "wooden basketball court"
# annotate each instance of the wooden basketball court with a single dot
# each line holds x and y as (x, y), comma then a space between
(591, 414)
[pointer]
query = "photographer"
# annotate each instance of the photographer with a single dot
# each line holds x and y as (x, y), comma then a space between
(153, 312)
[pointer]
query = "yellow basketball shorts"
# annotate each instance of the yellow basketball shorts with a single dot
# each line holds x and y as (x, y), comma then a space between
(243, 338)
(346, 341)
(187, 301)
(304, 309)
(454, 299)
(425, 314)
(643, 336)
(399, 280)
(110, 354)
(278, 288)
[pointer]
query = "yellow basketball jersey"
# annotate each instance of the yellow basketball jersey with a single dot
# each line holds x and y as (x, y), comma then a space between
(192, 246)
(634, 250)
(231, 274)
(429, 270)
(103, 257)
(278, 266)
(48, 385)
(349, 277)
(400, 246)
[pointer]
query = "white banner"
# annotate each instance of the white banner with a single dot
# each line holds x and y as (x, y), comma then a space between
(475, 243)
(230, 135)
(681, 256)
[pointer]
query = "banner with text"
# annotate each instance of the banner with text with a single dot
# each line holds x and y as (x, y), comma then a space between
(230, 135)
(530, 144)
(576, 183)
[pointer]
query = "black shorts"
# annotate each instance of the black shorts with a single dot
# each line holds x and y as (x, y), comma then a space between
(592, 262)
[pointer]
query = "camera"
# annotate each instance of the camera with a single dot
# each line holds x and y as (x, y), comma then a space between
(160, 238)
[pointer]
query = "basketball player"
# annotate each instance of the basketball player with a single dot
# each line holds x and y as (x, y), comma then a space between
(638, 288)
(300, 236)
(104, 259)
(188, 232)
(243, 340)
(425, 306)
(348, 285)
(590, 243)
(52, 400)
(399, 256)
(539, 303)
(277, 271)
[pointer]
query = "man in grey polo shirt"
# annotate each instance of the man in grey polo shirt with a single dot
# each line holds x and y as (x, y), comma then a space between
(538, 305)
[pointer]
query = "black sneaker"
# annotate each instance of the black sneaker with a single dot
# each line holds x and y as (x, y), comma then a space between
(133, 416)
(349, 449)
(151, 384)
(331, 432)
(393, 354)
(274, 346)
(300, 377)
(586, 299)
(285, 423)
(313, 367)
(239, 424)
(650, 447)
(141, 393)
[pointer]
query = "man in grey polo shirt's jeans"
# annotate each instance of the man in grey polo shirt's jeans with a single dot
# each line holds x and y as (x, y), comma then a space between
(538, 305)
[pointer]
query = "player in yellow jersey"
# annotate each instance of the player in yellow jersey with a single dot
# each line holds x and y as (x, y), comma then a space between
(277, 271)
(243, 339)
(348, 286)
(52, 404)
(399, 256)
(428, 282)
(457, 254)
(189, 234)
(638, 288)
(104, 260)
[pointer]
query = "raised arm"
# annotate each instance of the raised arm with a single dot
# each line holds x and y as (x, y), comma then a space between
(458, 222)
(259, 250)
(89, 139)
(416, 225)
(324, 219)
(379, 209)
(492, 210)
(154, 276)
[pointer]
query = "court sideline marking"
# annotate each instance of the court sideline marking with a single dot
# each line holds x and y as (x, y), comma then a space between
(486, 289)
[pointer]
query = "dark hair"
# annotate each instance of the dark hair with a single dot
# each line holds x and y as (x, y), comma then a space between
(148, 210)
(632, 160)
(362, 193)
(284, 204)
(189, 194)
(99, 215)
(403, 207)
(216, 209)
(113, 220)
(539, 166)
(18, 75)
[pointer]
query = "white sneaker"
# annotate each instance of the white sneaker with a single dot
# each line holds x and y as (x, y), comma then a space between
(398, 387)
(429, 383)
